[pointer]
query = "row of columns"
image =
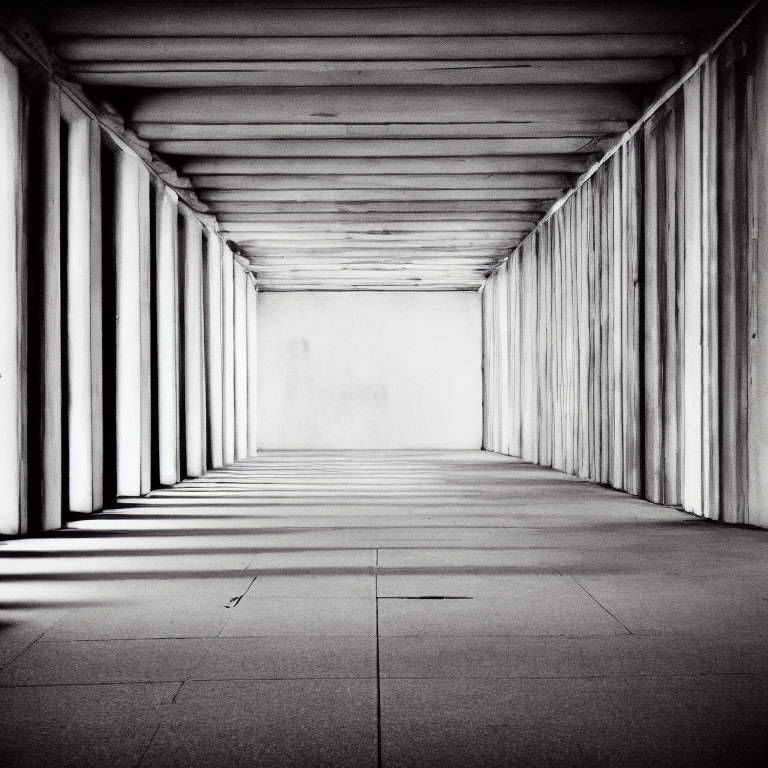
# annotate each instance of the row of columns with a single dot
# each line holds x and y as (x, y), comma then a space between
(172, 374)
(205, 344)
(626, 339)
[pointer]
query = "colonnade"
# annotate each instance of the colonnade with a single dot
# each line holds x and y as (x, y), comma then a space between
(128, 345)
(626, 339)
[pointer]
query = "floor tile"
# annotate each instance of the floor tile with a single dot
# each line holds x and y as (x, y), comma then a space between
(269, 723)
(288, 657)
(310, 617)
(457, 557)
(27, 625)
(10, 649)
(141, 620)
(576, 722)
(750, 692)
(516, 588)
(660, 604)
(316, 560)
(312, 585)
(575, 615)
(87, 661)
(611, 656)
(88, 726)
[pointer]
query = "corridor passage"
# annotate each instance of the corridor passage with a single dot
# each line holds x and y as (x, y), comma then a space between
(385, 608)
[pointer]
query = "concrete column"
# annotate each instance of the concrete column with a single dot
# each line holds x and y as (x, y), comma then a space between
(251, 323)
(83, 347)
(692, 368)
(228, 355)
(213, 347)
(167, 297)
(502, 323)
(130, 380)
(97, 323)
(145, 327)
(12, 364)
(757, 446)
(194, 387)
(52, 437)
(241, 365)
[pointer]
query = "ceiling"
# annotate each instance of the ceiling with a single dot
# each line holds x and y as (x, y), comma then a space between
(402, 145)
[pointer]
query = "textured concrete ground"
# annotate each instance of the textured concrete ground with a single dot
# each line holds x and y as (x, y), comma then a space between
(399, 609)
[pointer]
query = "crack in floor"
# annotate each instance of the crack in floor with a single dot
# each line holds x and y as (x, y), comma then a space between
(426, 597)
(235, 601)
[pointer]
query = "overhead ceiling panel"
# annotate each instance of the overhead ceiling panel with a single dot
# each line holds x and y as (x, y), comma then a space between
(406, 145)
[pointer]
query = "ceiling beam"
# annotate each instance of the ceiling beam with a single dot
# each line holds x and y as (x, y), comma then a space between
(416, 104)
(478, 164)
(321, 221)
(378, 186)
(376, 287)
(393, 226)
(529, 19)
(372, 48)
(319, 148)
(310, 240)
(496, 241)
(364, 252)
(495, 130)
(223, 74)
(329, 261)
(445, 221)
(309, 211)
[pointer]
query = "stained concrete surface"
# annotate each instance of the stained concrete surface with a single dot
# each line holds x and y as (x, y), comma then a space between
(385, 608)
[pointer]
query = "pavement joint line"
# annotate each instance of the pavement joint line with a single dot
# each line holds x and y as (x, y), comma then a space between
(638, 676)
(378, 670)
(151, 740)
(199, 662)
(91, 684)
(601, 605)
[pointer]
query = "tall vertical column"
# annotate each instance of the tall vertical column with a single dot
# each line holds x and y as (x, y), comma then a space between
(502, 324)
(132, 267)
(84, 376)
(145, 327)
(692, 369)
(228, 354)
(757, 498)
(483, 364)
(241, 365)
(79, 316)
(12, 394)
(711, 506)
(252, 331)
(97, 325)
(167, 297)
(194, 391)
(52, 436)
(213, 347)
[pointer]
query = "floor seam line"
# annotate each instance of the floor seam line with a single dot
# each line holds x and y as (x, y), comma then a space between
(601, 605)
(151, 741)
(378, 667)
(91, 684)
(205, 655)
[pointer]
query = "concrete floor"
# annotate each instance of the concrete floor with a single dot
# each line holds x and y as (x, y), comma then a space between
(401, 609)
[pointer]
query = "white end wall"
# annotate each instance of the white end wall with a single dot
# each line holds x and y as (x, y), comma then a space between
(369, 370)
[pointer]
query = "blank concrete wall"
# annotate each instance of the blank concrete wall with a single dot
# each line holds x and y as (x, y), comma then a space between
(369, 370)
